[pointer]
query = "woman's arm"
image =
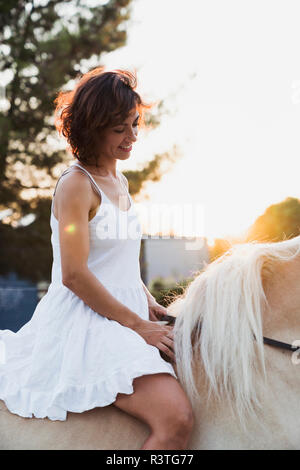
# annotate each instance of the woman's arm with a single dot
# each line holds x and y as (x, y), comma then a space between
(150, 298)
(156, 311)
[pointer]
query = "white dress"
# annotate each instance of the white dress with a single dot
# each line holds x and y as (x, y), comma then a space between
(68, 357)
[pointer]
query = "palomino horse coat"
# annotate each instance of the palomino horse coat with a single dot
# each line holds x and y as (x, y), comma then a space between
(245, 394)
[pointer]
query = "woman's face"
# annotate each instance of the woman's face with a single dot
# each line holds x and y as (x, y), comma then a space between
(116, 142)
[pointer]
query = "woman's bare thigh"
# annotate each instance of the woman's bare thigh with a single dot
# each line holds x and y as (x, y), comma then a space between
(156, 399)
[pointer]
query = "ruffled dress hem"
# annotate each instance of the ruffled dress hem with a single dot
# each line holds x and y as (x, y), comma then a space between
(76, 398)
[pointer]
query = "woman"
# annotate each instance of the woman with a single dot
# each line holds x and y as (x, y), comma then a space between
(90, 342)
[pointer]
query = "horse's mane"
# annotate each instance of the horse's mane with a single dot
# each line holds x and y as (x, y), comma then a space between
(219, 322)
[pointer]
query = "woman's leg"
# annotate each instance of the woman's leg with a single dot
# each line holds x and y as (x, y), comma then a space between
(160, 401)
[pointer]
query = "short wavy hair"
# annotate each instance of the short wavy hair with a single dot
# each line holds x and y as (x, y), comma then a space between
(99, 100)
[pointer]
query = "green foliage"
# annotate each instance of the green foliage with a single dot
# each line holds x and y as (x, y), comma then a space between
(165, 290)
(279, 222)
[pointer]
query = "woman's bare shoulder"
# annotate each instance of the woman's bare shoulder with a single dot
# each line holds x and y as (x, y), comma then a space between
(74, 188)
(73, 183)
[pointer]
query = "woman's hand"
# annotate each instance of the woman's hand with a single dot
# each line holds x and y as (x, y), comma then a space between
(157, 335)
(156, 311)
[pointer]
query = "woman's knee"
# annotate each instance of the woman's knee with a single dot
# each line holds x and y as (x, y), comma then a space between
(177, 422)
(175, 414)
(168, 409)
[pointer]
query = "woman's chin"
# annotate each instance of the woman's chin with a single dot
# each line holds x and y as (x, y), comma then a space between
(124, 156)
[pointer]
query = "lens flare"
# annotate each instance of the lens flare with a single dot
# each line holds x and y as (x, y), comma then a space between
(70, 228)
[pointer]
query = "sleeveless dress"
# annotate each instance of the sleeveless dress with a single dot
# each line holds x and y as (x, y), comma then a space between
(68, 357)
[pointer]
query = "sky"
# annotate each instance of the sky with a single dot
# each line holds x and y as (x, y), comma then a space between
(229, 74)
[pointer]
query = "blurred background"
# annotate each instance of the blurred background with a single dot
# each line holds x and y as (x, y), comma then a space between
(222, 140)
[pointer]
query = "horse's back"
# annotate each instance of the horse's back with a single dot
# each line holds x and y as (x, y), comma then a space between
(99, 428)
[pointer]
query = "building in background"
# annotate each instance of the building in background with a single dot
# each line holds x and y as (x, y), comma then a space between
(170, 257)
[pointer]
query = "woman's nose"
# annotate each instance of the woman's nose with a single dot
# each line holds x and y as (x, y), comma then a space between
(133, 134)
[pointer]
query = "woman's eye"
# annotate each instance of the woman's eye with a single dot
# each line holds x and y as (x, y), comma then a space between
(119, 131)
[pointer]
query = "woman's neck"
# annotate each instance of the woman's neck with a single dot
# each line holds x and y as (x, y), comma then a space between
(102, 171)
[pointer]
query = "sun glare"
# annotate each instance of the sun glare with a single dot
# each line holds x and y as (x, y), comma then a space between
(234, 114)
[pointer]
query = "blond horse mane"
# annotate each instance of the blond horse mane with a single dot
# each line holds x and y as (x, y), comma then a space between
(227, 299)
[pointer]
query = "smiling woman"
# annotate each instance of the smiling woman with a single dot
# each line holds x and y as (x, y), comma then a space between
(93, 339)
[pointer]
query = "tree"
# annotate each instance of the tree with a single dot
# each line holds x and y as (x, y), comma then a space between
(43, 46)
(279, 222)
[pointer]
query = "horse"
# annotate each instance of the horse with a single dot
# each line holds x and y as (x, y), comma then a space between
(244, 391)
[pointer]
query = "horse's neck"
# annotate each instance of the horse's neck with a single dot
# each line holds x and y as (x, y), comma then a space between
(276, 425)
(281, 321)
(281, 317)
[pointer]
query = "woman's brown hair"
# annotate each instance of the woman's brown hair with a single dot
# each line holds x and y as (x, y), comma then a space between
(99, 100)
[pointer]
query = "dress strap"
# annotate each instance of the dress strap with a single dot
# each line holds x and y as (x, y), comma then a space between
(80, 168)
(121, 179)
(95, 185)
(64, 173)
